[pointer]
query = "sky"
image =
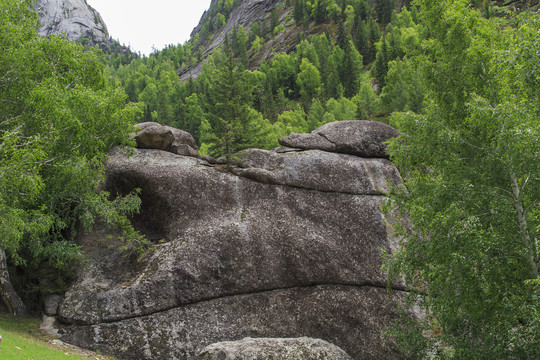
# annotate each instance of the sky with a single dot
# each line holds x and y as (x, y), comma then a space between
(144, 25)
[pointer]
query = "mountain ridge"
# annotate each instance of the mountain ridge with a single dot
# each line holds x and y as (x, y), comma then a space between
(77, 20)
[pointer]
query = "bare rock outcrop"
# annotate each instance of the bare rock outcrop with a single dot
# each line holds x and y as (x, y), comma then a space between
(286, 245)
(319, 170)
(276, 349)
(356, 137)
(246, 13)
(161, 137)
(73, 18)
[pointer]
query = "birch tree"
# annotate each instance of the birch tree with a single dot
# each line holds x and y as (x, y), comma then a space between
(469, 205)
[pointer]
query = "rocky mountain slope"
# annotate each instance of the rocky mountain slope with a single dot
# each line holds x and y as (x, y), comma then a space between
(244, 13)
(285, 244)
(74, 18)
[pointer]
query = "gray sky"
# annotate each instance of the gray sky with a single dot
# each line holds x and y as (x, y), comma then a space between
(143, 24)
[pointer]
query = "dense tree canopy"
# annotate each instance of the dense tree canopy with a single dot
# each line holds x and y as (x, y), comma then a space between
(470, 211)
(58, 117)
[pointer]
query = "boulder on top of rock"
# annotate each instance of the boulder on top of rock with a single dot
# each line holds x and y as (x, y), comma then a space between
(318, 170)
(307, 141)
(355, 137)
(161, 137)
(274, 348)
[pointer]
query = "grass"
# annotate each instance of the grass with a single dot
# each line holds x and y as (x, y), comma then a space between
(22, 340)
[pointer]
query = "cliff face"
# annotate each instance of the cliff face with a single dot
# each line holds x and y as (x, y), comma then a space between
(246, 13)
(74, 18)
(284, 245)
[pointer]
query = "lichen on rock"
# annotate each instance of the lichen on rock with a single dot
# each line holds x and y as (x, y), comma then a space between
(284, 245)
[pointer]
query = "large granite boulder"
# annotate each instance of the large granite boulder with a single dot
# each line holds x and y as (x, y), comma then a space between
(287, 244)
(152, 135)
(162, 137)
(276, 349)
(356, 137)
(318, 170)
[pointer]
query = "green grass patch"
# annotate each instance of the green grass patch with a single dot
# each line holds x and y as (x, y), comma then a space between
(22, 340)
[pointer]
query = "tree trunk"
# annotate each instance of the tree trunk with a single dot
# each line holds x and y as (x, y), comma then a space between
(522, 221)
(7, 293)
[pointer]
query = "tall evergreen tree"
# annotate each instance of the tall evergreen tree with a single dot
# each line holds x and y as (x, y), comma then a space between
(381, 63)
(350, 71)
(374, 37)
(342, 38)
(233, 124)
(274, 19)
(384, 10)
(361, 40)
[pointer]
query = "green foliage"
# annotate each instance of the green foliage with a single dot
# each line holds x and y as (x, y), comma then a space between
(384, 9)
(350, 70)
(58, 118)
(290, 121)
(299, 11)
(316, 116)
(274, 19)
(279, 29)
(220, 20)
(469, 214)
(308, 81)
(381, 63)
(405, 86)
(366, 100)
(232, 125)
(340, 109)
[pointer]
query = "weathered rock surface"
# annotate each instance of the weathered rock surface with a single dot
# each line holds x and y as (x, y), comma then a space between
(51, 303)
(351, 317)
(362, 138)
(319, 170)
(161, 137)
(290, 246)
(246, 13)
(74, 18)
(274, 348)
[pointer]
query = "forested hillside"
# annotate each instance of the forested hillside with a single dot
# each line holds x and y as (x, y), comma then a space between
(350, 59)
(337, 70)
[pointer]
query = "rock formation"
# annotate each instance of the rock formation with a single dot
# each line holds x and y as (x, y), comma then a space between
(275, 349)
(73, 18)
(246, 13)
(287, 244)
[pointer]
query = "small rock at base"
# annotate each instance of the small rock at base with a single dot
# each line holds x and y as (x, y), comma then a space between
(274, 348)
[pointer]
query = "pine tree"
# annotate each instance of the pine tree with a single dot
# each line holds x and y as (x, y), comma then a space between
(342, 39)
(381, 63)
(374, 37)
(350, 71)
(274, 19)
(384, 10)
(362, 41)
(232, 121)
